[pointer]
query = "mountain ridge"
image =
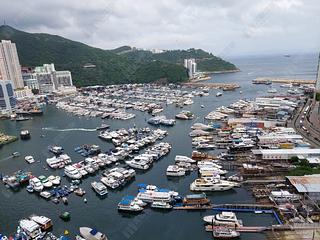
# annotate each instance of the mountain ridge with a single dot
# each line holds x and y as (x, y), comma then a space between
(116, 66)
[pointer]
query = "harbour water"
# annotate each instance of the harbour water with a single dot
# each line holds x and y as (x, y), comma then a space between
(69, 131)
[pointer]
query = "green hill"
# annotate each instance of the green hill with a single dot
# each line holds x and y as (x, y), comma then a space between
(121, 65)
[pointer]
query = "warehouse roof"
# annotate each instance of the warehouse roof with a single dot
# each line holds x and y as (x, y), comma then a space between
(306, 184)
(294, 151)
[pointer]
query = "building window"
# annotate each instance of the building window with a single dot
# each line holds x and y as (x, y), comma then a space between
(9, 89)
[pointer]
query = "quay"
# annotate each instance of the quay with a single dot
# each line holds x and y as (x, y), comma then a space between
(263, 80)
(226, 86)
(263, 181)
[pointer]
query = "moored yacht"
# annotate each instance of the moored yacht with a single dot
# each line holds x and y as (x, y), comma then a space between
(180, 158)
(163, 205)
(72, 172)
(91, 234)
(223, 219)
(99, 188)
(175, 171)
(202, 184)
(36, 184)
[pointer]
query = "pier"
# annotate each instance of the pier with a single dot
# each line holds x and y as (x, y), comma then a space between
(264, 80)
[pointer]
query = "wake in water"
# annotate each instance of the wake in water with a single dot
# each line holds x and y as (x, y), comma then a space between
(69, 129)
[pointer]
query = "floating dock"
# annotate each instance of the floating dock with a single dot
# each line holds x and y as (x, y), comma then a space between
(251, 229)
(196, 207)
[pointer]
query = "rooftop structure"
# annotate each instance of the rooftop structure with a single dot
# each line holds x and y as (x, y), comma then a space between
(308, 184)
(285, 154)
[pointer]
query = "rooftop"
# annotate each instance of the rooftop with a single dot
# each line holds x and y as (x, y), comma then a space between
(306, 184)
(294, 151)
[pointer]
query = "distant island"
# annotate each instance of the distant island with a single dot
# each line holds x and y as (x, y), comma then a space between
(95, 66)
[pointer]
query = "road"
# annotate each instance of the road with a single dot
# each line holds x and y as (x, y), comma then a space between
(306, 122)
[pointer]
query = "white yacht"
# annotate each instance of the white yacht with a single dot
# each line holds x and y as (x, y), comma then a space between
(54, 179)
(72, 172)
(128, 206)
(99, 188)
(163, 205)
(202, 184)
(203, 164)
(151, 196)
(180, 158)
(138, 164)
(272, 90)
(175, 171)
(92, 234)
(36, 184)
(219, 94)
(224, 219)
(29, 159)
(31, 229)
(110, 182)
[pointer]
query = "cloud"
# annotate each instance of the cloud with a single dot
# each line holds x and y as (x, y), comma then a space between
(264, 26)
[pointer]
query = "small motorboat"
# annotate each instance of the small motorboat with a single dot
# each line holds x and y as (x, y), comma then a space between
(65, 216)
(91, 234)
(30, 189)
(29, 159)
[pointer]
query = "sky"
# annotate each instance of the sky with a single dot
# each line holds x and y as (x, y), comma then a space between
(223, 27)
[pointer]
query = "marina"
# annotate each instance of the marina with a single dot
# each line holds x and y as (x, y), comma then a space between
(131, 152)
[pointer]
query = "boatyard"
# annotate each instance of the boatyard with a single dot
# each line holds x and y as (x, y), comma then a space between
(231, 163)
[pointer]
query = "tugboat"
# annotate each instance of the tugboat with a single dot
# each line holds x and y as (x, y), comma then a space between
(25, 134)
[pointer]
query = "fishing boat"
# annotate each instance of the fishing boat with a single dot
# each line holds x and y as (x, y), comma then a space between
(223, 219)
(91, 234)
(163, 205)
(225, 233)
(99, 188)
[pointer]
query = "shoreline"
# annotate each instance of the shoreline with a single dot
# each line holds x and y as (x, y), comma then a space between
(223, 71)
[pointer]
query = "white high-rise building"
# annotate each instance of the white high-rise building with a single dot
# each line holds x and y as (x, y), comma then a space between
(191, 65)
(7, 98)
(318, 77)
(10, 68)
